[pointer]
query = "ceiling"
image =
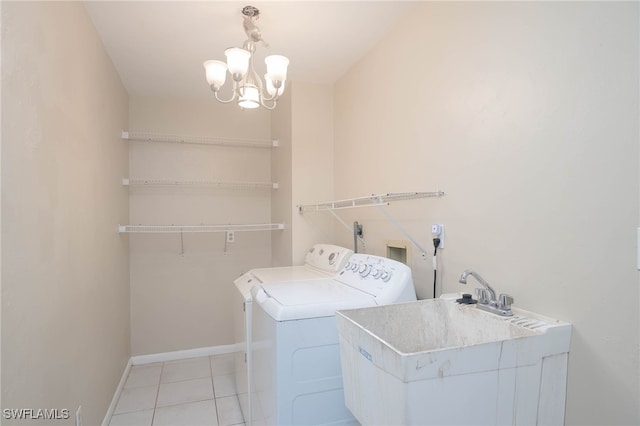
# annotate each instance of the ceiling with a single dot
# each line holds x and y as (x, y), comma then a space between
(158, 47)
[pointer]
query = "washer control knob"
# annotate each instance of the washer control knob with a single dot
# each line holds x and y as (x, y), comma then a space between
(348, 265)
(362, 268)
(386, 276)
(377, 273)
(366, 271)
(354, 267)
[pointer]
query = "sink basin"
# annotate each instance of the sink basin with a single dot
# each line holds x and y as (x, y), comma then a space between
(438, 362)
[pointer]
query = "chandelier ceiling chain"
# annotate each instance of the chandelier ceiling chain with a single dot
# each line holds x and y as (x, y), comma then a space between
(248, 88)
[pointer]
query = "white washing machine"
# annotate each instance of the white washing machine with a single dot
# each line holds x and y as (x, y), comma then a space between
(322, 261)
(297, 378)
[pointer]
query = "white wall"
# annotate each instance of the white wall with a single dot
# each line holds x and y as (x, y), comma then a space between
(65, 276)
(303, 166)
(311, 164)
(281, 172)
(181, 301)
(526, 114)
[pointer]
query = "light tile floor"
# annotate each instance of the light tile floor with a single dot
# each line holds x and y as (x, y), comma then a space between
(190, 392)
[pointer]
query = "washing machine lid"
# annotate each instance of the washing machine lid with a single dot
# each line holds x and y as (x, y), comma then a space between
(285, 301)
(290, 273)
(244, 283)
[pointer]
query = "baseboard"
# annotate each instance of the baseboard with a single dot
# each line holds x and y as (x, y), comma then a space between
(116, 395)
(188, 353)
(162, 357)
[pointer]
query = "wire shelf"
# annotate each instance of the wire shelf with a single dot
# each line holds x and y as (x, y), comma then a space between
(211, 183)
(149, 229)
(197, 140)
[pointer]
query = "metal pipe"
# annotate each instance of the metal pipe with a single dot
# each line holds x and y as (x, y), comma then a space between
(357, 232)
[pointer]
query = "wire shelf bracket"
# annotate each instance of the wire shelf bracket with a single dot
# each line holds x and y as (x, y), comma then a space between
(345, 224)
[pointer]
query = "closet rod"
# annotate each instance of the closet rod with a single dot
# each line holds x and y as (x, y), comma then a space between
(197, 140)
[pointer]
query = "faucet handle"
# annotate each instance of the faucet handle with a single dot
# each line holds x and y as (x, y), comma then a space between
(481, 295)
(505, 302)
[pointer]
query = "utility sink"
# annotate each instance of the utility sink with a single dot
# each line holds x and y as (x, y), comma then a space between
(436, 362)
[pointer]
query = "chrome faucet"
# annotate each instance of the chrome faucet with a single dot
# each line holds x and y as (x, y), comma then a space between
(487, 296)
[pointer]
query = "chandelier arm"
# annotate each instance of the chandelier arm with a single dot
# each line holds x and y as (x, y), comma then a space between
(233, 96)
(268, 107)
(274, 100)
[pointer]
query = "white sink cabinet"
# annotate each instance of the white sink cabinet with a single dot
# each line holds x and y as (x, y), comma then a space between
(436, 362)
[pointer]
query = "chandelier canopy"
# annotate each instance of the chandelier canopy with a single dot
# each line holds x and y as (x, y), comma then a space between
(248, 88)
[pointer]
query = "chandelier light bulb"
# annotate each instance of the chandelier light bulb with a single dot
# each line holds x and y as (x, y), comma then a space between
(216, 72)
(249, 97)
(237, 62)
(277, 67)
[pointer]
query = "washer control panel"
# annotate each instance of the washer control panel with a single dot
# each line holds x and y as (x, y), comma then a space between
(327, 257)
(373, 268)
(385, 279)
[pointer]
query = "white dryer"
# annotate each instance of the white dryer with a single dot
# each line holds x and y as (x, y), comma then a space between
(322, 261)
(297, 378)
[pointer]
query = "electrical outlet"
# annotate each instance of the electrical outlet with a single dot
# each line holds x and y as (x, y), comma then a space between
(437, 229)
(231, 237)
(79, 416)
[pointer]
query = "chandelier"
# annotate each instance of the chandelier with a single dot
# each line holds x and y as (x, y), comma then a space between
(248, 88)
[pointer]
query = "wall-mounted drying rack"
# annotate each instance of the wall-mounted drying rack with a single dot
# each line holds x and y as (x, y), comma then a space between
(197, 140)
(367, 201)
(379, 201)
(211, 183)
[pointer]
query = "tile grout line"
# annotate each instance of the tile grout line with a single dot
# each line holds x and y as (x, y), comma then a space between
(184, 380)
(213, 386)
(155, 405)
(186, 403)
